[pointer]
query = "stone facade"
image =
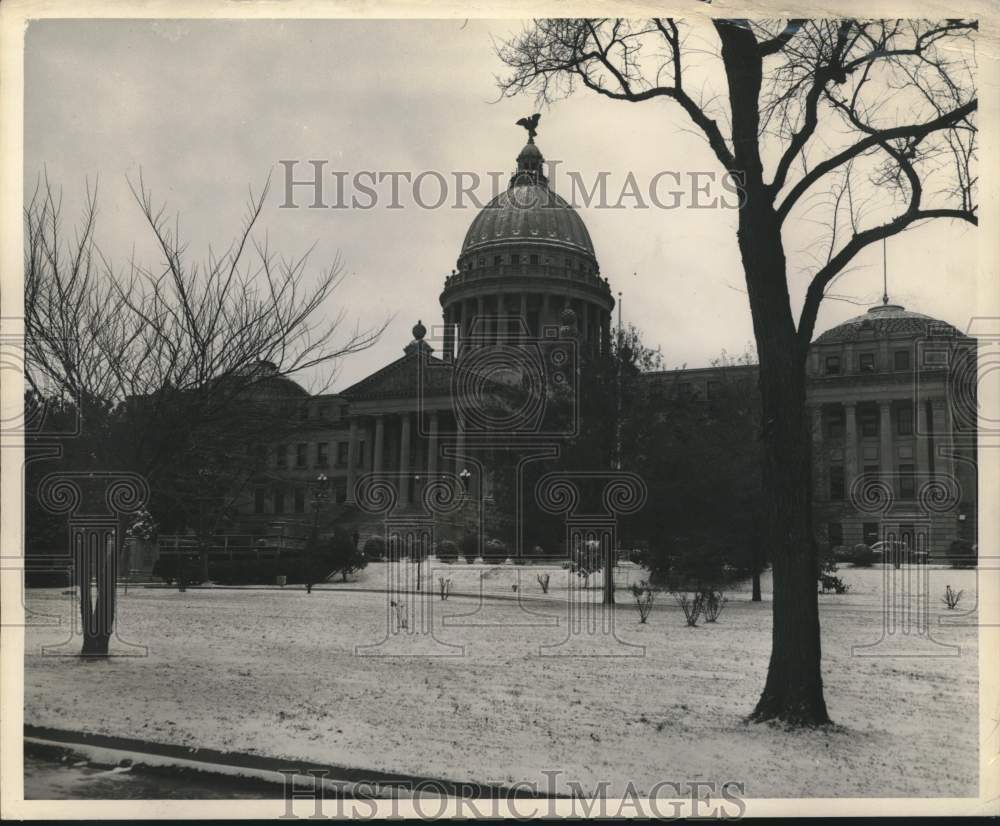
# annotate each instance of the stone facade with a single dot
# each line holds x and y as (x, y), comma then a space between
(890, 391)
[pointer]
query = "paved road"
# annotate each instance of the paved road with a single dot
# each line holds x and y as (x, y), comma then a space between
(51, 780)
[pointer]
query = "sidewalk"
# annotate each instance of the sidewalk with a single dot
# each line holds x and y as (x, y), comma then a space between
(261, 770)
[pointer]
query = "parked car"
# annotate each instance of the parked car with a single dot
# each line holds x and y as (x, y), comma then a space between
(886, 550)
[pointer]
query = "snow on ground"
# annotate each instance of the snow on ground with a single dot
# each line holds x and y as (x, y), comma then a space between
(275, 672)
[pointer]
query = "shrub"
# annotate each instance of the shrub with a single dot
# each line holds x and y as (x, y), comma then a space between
(374, 548)
(444, 586)
(446, 551)
(860, 556)
(951, 598)
(691, 604)
(494, 551)
(184, 569)
(470, 546)
(829, 582)
(962, 554)
(713, 602)
(643, 595)
(399, 609)
(342, 553)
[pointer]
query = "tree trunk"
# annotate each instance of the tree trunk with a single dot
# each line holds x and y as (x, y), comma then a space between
(609, 576)
(96, 562)
(756, 566)
(793, 691)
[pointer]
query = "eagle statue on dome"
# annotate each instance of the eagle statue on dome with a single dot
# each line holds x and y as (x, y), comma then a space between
(531, 124)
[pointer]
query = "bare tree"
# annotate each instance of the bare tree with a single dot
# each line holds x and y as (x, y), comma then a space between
(165, 359)
(880, 109)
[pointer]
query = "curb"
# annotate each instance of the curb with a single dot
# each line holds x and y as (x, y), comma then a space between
(260, 770)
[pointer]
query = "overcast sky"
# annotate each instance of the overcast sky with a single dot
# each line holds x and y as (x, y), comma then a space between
(207, 109)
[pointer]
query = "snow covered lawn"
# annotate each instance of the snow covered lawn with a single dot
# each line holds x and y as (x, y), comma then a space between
(276, 672)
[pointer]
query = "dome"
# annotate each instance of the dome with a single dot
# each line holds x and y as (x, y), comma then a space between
(528, 212)
(887, 319)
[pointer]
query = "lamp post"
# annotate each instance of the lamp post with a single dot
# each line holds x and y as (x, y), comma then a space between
(465, 475)
(320, 492)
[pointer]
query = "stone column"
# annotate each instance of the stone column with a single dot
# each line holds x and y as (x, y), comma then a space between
(500, 322)
(459, 446)
(944, 461)
(922, 441)
(352, 459)
(525, 330)
(850, 443)
(886, 460)
(449, 334)
(465, 323)
(432, 445)
(404, 459)
(479, 321)
(379, 442)
(605, 332)
(817, 447)
(545, 313)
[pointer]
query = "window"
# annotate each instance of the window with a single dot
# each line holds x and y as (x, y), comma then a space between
(342, 454)
(515, 260)
(259, 496)
(835, 533)
(534, 260)
(835, 424)
(869, 422)
(904, 420)
(300, 454)
(323, 411)
(712, 389)
(836, 482)
(870, 532)
(907, 482)
(361, 455)
(281, 456)
(901, 359)
(684, 388)
(300, 500)
(260, 455)
(279, 500)
(343, 411)
(322, 457)
(304, 412)
(866, 362)
(832, 365)
(497, 260)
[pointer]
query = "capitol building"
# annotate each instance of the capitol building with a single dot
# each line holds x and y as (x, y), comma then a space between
(891, 392)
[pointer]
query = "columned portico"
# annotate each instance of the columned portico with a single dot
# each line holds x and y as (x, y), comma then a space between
(850, 443)
(352, 459)
(432, 444)
(379, 442)
(404, 458)
(887, 460)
